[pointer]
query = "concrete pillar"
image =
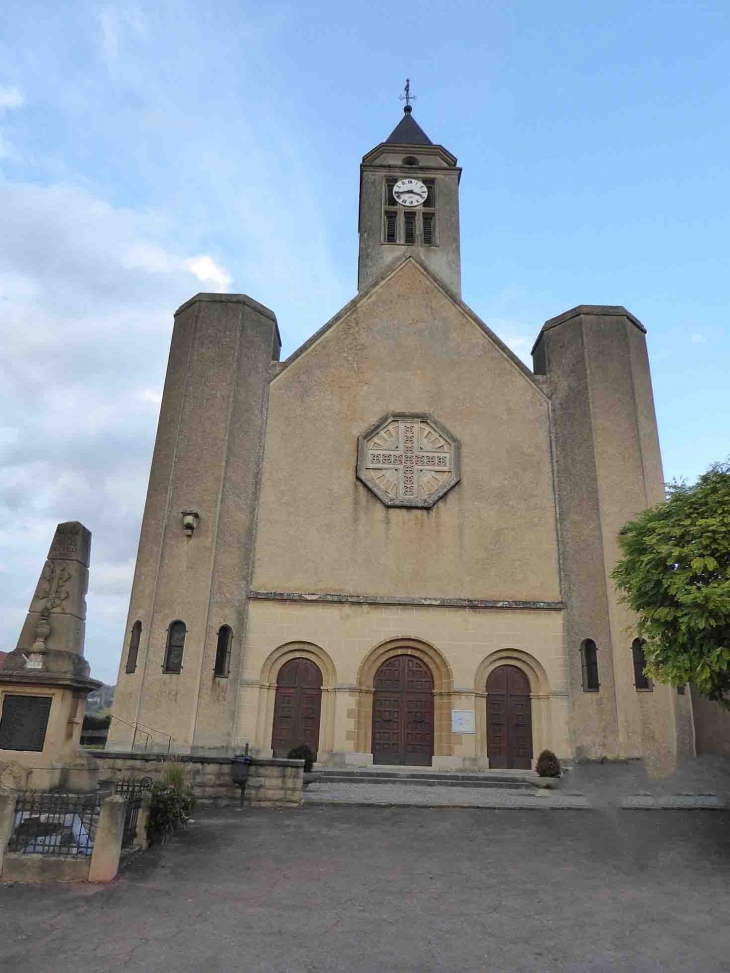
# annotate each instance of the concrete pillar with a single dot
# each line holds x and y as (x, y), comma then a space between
(108, 840)
(142, 819)
(7, 817)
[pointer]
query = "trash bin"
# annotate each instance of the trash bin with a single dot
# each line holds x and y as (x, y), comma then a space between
(239, 772)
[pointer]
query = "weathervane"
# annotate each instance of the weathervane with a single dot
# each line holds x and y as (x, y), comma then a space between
(408, 97)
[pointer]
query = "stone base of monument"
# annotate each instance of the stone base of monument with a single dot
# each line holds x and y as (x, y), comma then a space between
(40, 733)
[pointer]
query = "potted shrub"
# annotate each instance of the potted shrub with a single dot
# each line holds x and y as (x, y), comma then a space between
(548, 770)
(302, 752)
(171, 804)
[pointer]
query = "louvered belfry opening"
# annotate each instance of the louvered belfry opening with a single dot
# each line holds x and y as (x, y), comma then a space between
(416, 227)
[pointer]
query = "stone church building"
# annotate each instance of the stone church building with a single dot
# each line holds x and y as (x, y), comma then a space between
(395, 546)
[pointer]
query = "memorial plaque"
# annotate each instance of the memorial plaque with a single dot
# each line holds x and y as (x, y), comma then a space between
(462, 721)
(24, 721)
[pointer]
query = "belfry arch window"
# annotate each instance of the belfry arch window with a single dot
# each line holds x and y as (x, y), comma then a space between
(175, 645)
(589, 666)
(223, 651)
(641, 680)
(133, 650)
(409, 227)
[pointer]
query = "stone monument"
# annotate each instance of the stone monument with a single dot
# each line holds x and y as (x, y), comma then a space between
(44, 682)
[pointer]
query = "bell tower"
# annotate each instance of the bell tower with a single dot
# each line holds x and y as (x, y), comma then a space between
(409, 204)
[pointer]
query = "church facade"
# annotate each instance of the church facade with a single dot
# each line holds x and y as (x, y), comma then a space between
(395, 546)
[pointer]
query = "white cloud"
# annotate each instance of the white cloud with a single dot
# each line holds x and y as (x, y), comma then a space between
(87, 293)
(698, 339)
(150, 395)
(10, 97)
(207, 270)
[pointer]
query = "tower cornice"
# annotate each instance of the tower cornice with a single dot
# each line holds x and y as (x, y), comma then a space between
(411, 149)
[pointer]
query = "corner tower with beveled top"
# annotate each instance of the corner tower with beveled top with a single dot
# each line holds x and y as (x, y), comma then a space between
(409, 204)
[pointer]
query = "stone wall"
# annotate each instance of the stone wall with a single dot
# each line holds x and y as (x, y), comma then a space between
(271, 782)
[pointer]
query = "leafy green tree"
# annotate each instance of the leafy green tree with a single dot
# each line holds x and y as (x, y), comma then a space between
(675, 574)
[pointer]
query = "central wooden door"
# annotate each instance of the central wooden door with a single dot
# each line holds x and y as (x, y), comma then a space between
(509, 719)
(298, 706)
(403, 712)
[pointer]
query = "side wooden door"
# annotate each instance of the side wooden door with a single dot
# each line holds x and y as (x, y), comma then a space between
(509, 719)
(298, 707)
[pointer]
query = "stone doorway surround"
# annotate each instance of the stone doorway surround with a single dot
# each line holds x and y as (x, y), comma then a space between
(442, 689)
(267, 695)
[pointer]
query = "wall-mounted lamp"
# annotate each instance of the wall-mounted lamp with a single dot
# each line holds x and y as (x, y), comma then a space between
(190, 521)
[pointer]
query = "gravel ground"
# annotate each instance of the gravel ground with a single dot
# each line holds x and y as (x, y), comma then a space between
(414, 890)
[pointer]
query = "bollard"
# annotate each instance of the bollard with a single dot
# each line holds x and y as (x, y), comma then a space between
(7, 819)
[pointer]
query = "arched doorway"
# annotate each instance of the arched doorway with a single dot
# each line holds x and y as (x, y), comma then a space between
(509, 719)
(297, 708)
(403, 712)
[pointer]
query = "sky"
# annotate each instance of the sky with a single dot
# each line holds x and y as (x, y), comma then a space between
(151, 151)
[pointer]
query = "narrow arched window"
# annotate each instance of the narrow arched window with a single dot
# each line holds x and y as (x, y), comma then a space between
(134, 646)
(589, 666)
(223, 650)
(641, 680)
(175, 644)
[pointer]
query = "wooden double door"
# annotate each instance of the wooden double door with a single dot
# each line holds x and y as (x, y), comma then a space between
(509, 719)
(298, 707)
(403, 712)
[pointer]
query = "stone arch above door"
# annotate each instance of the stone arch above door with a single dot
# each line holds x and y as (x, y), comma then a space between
(443, 680)
(536, 675)
(292, 650)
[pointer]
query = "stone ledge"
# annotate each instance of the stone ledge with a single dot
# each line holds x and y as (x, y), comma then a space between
(336, 598)
(206, 297)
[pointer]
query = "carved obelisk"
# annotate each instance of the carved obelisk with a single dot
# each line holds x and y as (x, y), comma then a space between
(44, 682)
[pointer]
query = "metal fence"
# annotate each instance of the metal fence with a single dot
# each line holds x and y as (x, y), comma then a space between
(57, 824)
(132, 790)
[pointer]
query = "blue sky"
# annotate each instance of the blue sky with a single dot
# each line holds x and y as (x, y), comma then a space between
(150, 151)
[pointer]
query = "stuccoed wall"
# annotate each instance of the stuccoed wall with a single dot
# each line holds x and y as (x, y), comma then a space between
(271, 783)
(407, 347)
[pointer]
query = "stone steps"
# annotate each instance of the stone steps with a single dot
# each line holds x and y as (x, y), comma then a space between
(523, 780)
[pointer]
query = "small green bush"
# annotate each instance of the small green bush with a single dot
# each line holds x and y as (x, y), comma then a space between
(547, 765)
(171, 805)
(302, 752)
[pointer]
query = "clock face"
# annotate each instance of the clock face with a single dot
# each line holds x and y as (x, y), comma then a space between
(410, 192)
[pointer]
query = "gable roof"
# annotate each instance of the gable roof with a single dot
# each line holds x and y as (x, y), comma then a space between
(408, 132)
(533, 379)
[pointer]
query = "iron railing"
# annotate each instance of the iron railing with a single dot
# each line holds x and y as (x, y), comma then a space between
(132, 790)
(57, 824)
